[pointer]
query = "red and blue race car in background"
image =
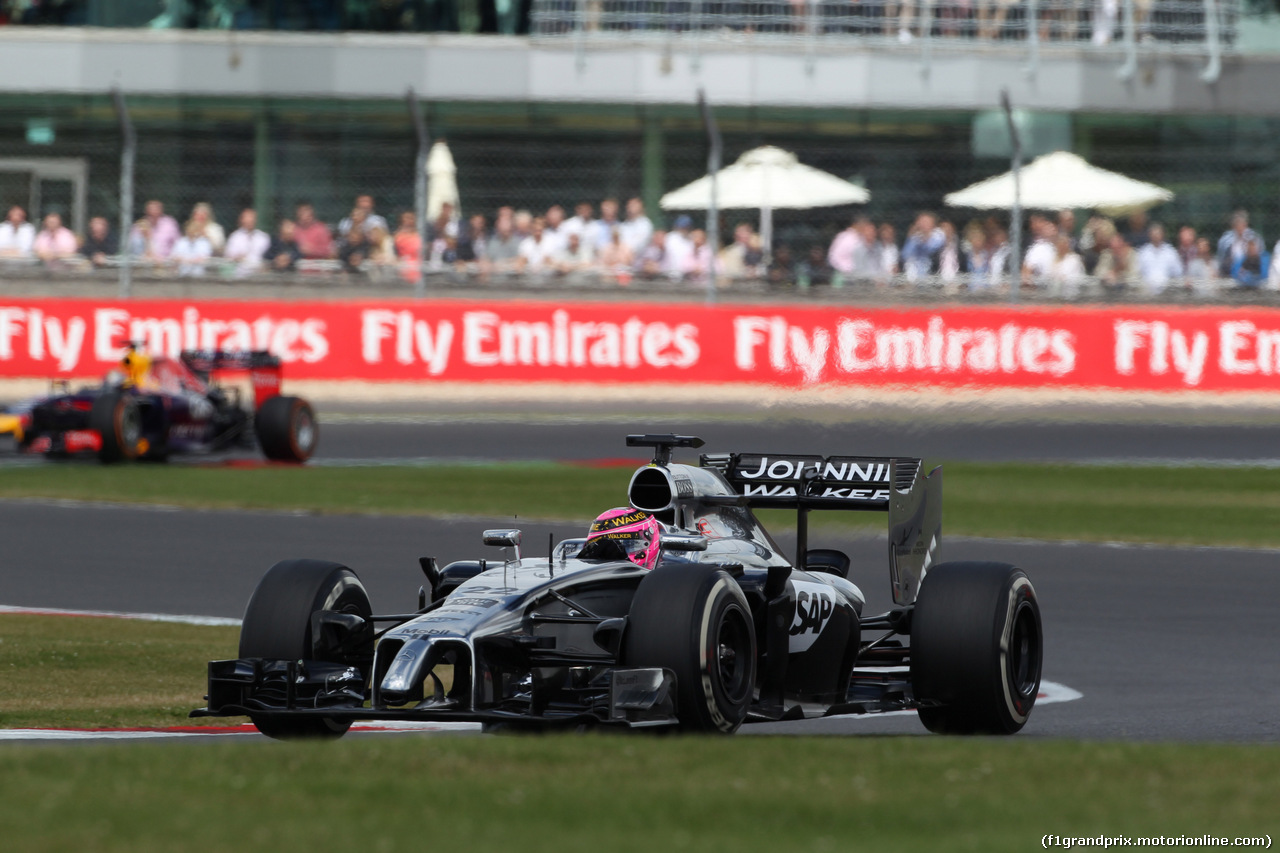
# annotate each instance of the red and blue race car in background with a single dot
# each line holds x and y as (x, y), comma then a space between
(153, 407)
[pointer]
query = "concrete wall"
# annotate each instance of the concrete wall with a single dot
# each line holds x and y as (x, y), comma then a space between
(480, 68)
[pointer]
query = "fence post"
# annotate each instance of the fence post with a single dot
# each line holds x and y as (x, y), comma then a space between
(579, 36)
(420, 188)
(926, 36)
(714, 154)
(1214, 69)
(1130, 66)
(1015, 214)
(128, 151)
(1033, 37)
(812, 25)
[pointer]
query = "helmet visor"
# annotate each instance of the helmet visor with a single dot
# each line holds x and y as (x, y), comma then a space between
(635, 544)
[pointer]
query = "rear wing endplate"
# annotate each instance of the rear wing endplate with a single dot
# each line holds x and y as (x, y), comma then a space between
(869, 483)
(263, 368)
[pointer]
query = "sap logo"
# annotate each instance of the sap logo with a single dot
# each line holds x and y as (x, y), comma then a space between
(815, 602)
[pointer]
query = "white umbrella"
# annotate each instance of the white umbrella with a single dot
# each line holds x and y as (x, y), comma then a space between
(443, 184)
(1059, 181)
(766, 179)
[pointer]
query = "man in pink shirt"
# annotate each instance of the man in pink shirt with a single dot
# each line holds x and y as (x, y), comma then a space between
(164, 230)
(54, 242)
(845, 249)
(312, 236)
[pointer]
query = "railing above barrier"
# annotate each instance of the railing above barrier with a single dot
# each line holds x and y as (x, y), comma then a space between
(1157, 24)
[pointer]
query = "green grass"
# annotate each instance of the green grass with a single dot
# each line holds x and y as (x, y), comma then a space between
(626, 793)
(1202, 506)
(57, 671)
(535, 490)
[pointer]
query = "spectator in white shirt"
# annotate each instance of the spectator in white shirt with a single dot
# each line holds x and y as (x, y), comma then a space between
(192, 251)
(1067, 272)
(553, 228)
(887, 255)
(1040, 258)
(17, 235)
(535, 251)
(637, 229)
(1158, 262)
(202, 214)
(581, 222)
(247, 245)
(574, 256)
(679, 247)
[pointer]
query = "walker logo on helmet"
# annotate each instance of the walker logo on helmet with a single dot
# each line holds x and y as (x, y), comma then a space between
(618, 521)
(814, 605)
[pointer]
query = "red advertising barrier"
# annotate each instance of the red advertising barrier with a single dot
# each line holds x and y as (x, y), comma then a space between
(1128, 348)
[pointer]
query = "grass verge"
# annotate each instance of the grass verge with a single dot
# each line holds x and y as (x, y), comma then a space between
(620, 793)
(85, 672)
(1185, 506)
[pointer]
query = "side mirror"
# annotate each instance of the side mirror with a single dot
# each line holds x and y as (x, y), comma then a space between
(567, 549)
(682, 542)
(505, 539)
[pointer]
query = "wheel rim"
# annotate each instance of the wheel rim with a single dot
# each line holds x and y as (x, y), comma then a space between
(733, 655)
(130, 427)
(1023, 659)
(304, 431)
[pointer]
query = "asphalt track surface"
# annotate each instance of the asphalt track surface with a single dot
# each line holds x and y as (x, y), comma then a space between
(1164, 644)
(508, 437)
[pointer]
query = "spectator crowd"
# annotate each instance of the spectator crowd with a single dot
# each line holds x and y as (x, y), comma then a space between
(622, 245)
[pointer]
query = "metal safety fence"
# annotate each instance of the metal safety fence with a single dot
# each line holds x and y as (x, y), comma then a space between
(208, 164)
(965, 24)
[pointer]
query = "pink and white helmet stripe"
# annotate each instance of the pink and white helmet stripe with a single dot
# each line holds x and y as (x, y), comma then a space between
(636, 531)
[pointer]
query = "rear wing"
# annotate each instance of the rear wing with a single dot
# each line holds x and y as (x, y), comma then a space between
(263, 368)
(870, 483)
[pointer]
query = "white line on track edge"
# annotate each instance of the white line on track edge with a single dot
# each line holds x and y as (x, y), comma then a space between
(144, 617)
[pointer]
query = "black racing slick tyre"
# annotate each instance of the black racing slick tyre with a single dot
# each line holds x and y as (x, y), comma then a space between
(277, 626)
(116, 418)
(287, 429)
(976, 649)
(695, 621)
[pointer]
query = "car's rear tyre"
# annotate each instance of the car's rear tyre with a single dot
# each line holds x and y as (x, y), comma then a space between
(277, 626)
(287, 429)
(117, 419)
(695, 621)
(976, 649)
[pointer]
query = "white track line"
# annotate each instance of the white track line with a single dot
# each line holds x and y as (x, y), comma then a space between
(214, 731)
(108, 614)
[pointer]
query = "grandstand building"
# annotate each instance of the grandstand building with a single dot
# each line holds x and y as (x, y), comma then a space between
(556, 101)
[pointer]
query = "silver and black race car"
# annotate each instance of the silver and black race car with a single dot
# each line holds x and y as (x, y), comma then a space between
(724, 630)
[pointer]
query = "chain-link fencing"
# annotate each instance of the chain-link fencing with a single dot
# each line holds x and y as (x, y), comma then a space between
(1153, 24)
(274, 156)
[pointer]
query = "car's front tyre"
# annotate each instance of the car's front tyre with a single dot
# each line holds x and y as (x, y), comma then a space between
(695, 621)
(976, 649)
(277, 626)
(287, 429)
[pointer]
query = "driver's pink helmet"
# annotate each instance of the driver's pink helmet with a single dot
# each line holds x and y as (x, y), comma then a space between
(635, 531)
